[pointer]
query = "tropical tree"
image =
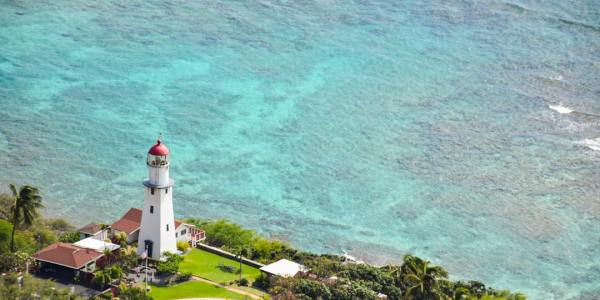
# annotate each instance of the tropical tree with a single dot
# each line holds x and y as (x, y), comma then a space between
(421, 280)
(26, 202)
(121, 238)
(107, 253)
(104, 228)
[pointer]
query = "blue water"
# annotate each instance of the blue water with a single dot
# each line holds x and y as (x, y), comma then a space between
(372, 127)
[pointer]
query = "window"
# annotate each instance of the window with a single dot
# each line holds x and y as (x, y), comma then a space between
(183, 232)
(167, 191)
(175, 234)
(151, 209)
(167, 227)
(152, 191)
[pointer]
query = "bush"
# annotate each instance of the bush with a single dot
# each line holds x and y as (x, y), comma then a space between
(261, 282)
(170, 265)
(182, 246)
(243, 282)
(185, 276)
(69, 237)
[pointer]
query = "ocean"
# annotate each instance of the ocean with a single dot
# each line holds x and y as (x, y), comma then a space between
(465, 132)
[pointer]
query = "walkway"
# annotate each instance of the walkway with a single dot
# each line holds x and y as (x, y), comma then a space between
(230, 288)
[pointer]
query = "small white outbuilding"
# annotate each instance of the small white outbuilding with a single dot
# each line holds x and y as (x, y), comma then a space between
(284, 268)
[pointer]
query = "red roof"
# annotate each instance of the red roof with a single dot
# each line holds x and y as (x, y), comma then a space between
(129, 222)
(67, 255)
(91, 228)
(159, 149)
(132, 220)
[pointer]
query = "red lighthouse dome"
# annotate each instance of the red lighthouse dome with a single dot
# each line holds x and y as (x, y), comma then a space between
(159, 149)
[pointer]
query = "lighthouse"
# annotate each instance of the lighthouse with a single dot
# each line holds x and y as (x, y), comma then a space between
(157, 229)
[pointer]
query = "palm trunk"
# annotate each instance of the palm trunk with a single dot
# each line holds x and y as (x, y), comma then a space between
(12, 235)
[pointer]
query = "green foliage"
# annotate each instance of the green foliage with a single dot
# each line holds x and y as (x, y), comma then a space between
(184, 276)
(243, 282)
(132, 293)
(44, 289)
(233, 238)
(69, 237)
(5, 231)
(312, 289)
(13, 261)
(60, 225)
(170, 265)
(103, 278)
(182, 246)
(24, 209)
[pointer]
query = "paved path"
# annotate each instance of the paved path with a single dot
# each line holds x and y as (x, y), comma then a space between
(230, 288)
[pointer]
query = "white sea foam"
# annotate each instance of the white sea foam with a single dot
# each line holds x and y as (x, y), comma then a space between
(593, 144)
(561, 109)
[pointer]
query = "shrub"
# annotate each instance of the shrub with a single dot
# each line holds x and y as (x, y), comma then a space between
(69, 237)
(185, 276)
(243, 282)
(182, 246)
(312, 289)
(261, 282)
(170, 265)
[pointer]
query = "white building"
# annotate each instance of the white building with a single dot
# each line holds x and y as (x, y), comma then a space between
(157, 229)
(284, 268)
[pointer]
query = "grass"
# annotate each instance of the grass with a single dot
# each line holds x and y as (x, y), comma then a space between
(206, 265)
(192, 289)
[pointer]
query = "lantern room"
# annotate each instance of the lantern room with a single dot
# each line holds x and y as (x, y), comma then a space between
(158, 165)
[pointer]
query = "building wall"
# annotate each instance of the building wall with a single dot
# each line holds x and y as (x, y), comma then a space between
(97, 236)
(185, 236)
(158, 226)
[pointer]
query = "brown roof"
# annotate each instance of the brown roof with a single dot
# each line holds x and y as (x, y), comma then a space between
(91, 228)
(67, 255)
(132, 220)
(129, 222)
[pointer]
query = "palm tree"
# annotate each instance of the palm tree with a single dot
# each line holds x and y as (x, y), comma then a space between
(26, 202)
(104, 228)
(420, 280)
(107, 253)
(121, 238)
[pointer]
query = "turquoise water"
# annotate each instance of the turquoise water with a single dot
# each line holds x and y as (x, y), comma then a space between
(371, 127)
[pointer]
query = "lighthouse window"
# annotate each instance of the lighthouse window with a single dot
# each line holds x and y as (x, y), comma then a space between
(151, 209)
(166, 190)
(167, 227)
(152, 191)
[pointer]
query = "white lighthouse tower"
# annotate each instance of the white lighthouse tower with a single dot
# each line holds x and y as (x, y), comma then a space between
(157, 230)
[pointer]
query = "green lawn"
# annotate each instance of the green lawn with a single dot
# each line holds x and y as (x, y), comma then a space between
(192, 289)
(206, 265)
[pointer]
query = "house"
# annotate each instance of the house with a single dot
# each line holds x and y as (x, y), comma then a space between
(284, 268)
(67, 258)
(131, 221)
(91, 230)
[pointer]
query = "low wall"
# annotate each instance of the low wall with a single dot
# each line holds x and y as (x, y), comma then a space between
(230, 255)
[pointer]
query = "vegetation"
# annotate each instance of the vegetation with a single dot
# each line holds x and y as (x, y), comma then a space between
(132, 293)
(192, 289)
(233, 238)
(210, 266)
(23, 232)
(183, 246)
(104, 277)
(170, 265)
(335, 278)
(69, 237)
(31, 288)
(24, 208)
